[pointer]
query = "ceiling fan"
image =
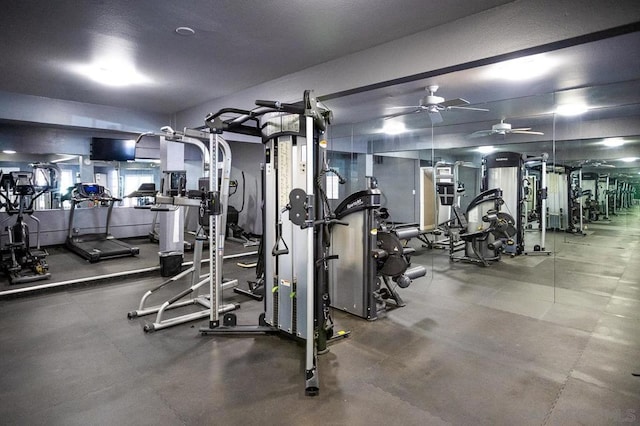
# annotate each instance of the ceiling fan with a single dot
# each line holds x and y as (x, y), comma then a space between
(595, 164)
(434, 105)
(503, 128)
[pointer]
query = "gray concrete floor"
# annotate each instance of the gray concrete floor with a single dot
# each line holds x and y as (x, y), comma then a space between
(540, 340)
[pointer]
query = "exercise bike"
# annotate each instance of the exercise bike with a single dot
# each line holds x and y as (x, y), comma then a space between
(18, 260)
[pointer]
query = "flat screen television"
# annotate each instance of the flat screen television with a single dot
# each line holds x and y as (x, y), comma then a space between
(107, 149)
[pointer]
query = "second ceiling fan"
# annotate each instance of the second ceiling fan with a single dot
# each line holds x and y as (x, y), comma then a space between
(503, 128)
(433, 105)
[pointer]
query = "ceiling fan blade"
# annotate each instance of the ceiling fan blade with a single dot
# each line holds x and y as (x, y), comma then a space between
(454, 102)
(404, 106)
(521, 129)
(525, 132)
(469, 108)
(398, 114)
(481, 133)
(435, 117)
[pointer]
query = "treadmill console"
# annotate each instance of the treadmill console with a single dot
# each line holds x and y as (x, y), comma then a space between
(90, 190)
(22, 183)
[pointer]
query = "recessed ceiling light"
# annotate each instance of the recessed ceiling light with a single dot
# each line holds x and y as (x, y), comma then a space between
(8, 151)
(613, 142)
(486, 149)
(571, 109)
(185, 31)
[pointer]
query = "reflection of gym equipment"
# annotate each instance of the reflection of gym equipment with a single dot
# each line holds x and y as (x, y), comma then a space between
(440, 189)
(48, 175)
(296, 268)
(579, 201)
(504, 170)
(483, 233)
(371, 256)
(603, 196)
(96, 246)
(18, 260)
(540, 195)
(234, 231)
(621, 196)
(589, 187)
(557, 198)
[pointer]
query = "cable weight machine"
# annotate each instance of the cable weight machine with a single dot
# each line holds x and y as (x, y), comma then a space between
(296, 273)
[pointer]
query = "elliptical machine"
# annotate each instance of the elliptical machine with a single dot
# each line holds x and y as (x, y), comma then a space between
(20, 262)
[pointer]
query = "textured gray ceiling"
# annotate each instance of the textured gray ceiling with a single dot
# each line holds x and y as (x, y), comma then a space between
(241, 43)
(237, 44)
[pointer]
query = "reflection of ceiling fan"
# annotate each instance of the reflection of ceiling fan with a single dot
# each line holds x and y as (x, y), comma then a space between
(433, 105)
(503, 128)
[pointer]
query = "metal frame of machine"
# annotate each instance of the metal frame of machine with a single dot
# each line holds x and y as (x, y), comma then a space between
(295, 269)
(360, 283)
(173, 196)
(18, 260)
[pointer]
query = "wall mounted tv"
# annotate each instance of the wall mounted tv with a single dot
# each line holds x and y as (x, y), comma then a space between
(112, 149)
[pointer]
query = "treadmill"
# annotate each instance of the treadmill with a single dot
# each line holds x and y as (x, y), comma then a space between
(97, 246)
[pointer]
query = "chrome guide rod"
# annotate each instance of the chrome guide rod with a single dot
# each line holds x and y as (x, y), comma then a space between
(312, 379)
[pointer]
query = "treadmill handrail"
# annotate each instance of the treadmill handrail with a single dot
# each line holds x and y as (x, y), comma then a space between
(81, 200)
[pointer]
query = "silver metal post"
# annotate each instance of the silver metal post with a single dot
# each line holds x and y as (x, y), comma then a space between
(581, 197)
(213, 182)
(310, 342)
(543, 204)
(606, 199)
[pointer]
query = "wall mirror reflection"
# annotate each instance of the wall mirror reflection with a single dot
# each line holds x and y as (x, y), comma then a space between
(557, 132)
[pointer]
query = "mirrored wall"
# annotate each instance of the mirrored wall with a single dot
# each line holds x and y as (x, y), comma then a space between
(577, 113)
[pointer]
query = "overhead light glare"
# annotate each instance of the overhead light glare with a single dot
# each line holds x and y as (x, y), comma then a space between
(8, 151)
(570, 110)
(629, 159)
(613, 142)
(111, 73)
(519, 69)
(394, 128)
(486, 149)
